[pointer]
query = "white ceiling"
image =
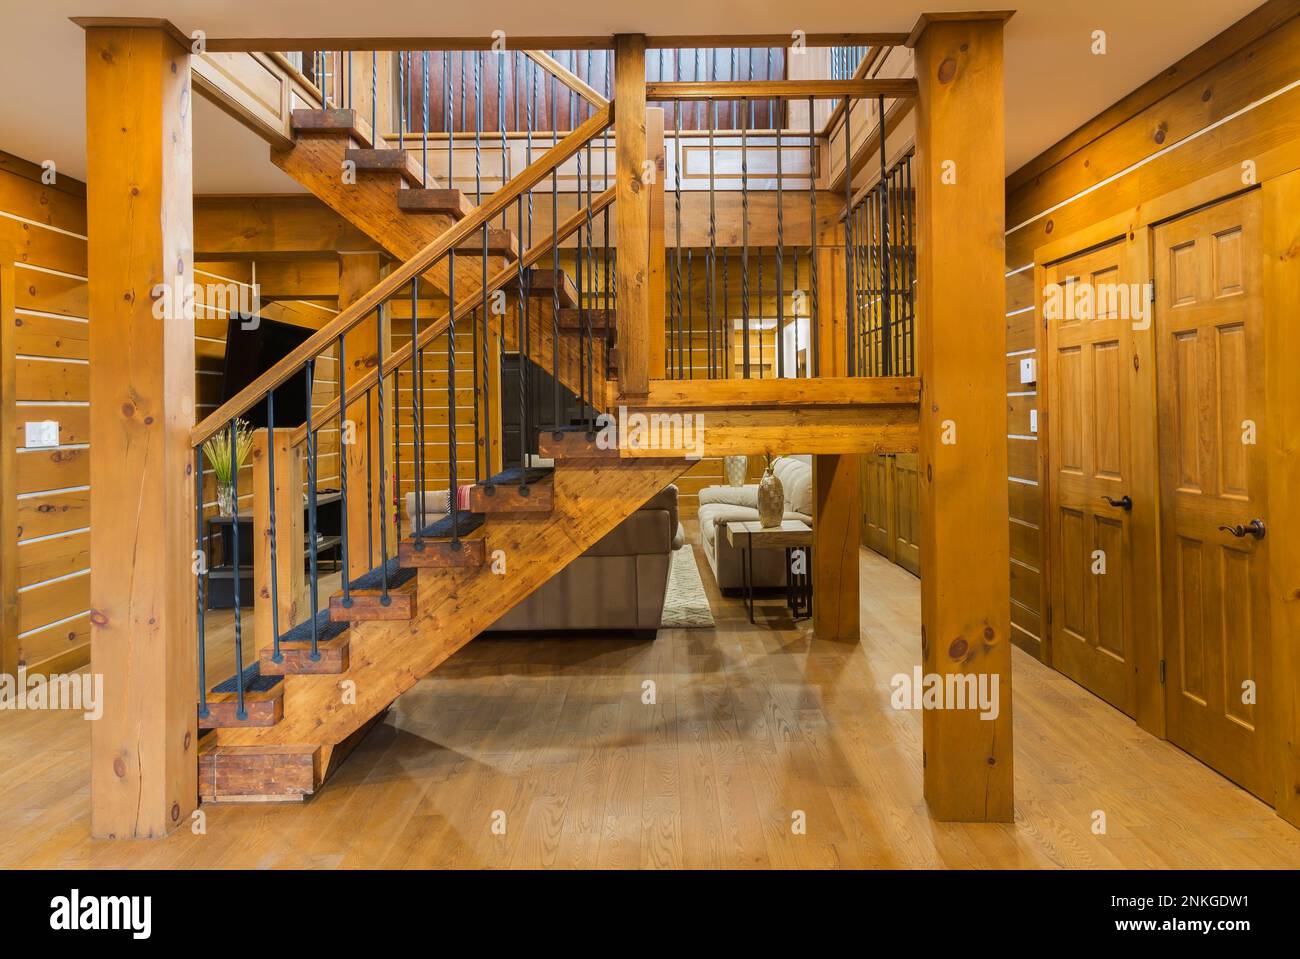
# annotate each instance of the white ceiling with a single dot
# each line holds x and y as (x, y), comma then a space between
(1053, 81)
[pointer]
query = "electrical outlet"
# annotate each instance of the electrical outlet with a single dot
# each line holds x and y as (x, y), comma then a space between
(42, 433)
(1028, 370)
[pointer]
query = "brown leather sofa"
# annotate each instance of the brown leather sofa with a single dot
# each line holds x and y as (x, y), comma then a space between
(617, 584)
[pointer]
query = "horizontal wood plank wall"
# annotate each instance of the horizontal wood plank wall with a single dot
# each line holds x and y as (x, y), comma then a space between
(1235, 99)
(42, 230)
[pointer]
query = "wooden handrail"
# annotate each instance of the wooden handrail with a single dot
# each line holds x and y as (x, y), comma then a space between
(501, 278)
(567, 77)
(324, 337)
(779, 89)
(869, 60)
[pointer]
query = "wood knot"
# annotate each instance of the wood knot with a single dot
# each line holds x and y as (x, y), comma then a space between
(176, 811)
(957, 649)
(98, 618)
(988, 633)
(119, 767)
(947, 70)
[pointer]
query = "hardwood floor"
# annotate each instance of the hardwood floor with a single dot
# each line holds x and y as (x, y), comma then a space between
(749, 724)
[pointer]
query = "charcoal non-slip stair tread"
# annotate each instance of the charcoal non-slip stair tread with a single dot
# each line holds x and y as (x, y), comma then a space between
(325, 630)
(398, 575)
(254, 682)
(516, 475)
(442, 528)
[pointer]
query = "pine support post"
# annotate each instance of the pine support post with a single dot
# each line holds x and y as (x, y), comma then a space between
(964, 544)
(144, 748)
(289, 536)
(837, 502)
(358, 274)
(632, 215)
(657, 297)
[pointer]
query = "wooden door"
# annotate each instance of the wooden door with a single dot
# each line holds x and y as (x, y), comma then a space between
(1212, 472)
(1091, 353)
(877, 511)
(907, 521)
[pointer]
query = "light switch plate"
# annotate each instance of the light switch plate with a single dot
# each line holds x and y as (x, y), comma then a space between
(42, 433)
(1028, 370)
(1033, 421)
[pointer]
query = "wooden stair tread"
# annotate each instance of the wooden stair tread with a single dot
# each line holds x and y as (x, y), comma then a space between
(500, 243)
(395, 161)
(263, 701)
(528, 490)
(398, 575)
(599, 320)
(332, 647)
(342, 123)
(464, 522)
(544, 283)
(367, 596)
(572, 443)
(254, 684)
(439, 202)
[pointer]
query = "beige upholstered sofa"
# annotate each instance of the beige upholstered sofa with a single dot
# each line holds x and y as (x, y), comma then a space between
(720, 505)
(617, 584)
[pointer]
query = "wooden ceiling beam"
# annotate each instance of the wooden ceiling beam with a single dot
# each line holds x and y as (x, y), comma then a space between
(485, 42)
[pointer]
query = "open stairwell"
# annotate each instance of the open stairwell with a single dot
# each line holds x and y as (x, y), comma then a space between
(303, 713)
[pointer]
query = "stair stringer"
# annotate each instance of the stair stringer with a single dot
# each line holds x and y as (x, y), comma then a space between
(456, 604)
(370, 204)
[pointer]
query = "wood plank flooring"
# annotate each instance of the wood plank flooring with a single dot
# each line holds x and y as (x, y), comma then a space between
(542, 753)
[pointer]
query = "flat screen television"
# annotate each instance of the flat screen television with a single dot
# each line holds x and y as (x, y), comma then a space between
(252, 348)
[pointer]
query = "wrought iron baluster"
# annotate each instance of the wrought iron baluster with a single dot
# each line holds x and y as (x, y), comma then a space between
(814, 327)
(240, 712)
(417, 417)
(273, 531)
(744, 231)
(886, 318)
(314, 584)
(848, 238)
(384, 498)
(453, 477)
(201, 572)
(677, 247)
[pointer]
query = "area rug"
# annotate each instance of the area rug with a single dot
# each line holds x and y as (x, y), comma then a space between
(686, 605)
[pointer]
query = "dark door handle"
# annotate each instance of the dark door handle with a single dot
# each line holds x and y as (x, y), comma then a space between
(1255, 529)
(1125, 502)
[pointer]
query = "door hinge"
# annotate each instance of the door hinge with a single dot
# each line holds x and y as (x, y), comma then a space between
(1049, 614)
(1162, 672)
(1151, 290)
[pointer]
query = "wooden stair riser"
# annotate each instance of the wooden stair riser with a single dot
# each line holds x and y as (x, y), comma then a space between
(439, 554)
(572, 445)
(338, 123)
(368, 606)
(538, 497)
(381, 162)
(295, 659)
(439, 202)
(261, 709)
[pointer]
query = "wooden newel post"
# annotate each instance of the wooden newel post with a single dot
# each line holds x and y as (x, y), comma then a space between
(289, 537)
(837, 500)
(961, 348)
(657, 295)
(632, 214)
(144, 748)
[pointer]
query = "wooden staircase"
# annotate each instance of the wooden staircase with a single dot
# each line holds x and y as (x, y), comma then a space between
(305, 713)
(389, 204)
